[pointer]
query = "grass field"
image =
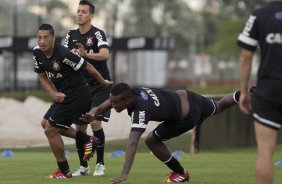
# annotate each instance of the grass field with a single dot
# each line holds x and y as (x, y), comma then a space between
(233, 166)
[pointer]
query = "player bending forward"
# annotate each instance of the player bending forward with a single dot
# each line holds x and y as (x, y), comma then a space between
(179, 112)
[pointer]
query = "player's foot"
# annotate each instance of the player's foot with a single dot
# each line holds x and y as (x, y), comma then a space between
(81, 171)
(89, 148)
(99, 170)
(59, 175)
(177, 178)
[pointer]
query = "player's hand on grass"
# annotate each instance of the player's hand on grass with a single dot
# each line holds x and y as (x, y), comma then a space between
(58, 96)
(120, 179)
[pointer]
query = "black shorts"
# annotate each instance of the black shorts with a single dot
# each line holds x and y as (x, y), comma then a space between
(62, 115)
(199, 109)
(267, 113)
(98, 97)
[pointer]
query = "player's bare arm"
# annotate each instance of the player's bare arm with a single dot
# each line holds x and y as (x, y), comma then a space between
(46, 84)
(95, 74)
(131, 148)
(96, 111)
(245, 68)
(102, 55)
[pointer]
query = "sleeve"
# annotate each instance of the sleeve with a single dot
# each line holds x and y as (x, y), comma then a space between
(102, 39)
(74, 61)
(248, 38)
(140, 120)
(36, 58)
(67, 40)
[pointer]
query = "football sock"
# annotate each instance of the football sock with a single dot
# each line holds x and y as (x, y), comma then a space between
(100, 149)
(80, 151)
(174, 165)
(64, 167)
(236, 96)
(84, 138)
(80, 139)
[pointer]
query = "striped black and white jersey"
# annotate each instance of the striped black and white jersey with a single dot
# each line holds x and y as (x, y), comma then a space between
(61, 69)
(263, 29)
(152, 104)
(93, 41)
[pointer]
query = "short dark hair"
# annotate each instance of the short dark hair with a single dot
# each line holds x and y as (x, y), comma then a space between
(91, 6)
(120, 88)
(47, 27)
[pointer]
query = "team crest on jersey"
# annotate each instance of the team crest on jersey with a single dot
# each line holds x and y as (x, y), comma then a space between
(144, 95)
(89, 41)
(56, 65)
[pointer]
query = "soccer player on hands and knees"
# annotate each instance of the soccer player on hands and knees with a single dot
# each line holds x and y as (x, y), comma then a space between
(91, 44)
(59, 74)
(179, 112)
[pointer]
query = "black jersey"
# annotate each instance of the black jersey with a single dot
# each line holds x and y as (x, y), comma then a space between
(61, 68)
(154, 105)
(264, 29)
(92, 41)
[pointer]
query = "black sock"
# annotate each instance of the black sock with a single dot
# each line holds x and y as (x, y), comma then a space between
(64, 167)
(80, 152)
(236, 96)
(174, 165)
(82, 137)
(100, 149)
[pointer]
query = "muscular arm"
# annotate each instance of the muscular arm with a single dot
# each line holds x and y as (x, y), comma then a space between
(96, 111)
(131, 148)
(102, 55)
(225, 102)
(47, 85)
(245, 68)
(95, 74)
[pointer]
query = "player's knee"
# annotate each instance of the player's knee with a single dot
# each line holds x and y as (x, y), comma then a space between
(49, 130)
(150, 140)
(43, 123)
(96, 125)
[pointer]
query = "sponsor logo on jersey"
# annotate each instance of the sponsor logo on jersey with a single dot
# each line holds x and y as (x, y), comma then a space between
(69, 62)
(89, 41)
(142, 116)
(144, 95)
(153, 95)
(249, 25)
(35, 62)
(278, 15)
(56, 65)
(99, 36)
(53, 75)
(274, 38)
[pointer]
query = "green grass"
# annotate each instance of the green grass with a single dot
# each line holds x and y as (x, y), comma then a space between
(230, 166)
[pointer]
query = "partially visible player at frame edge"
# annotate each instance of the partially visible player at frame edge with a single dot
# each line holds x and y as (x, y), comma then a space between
(179, 111)
(91, 43)
(263, 29)
(59, 74)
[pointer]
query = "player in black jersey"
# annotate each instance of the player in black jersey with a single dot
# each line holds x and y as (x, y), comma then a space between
(59, 74)
(178, 111)
(91, 43)
(264, 29)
